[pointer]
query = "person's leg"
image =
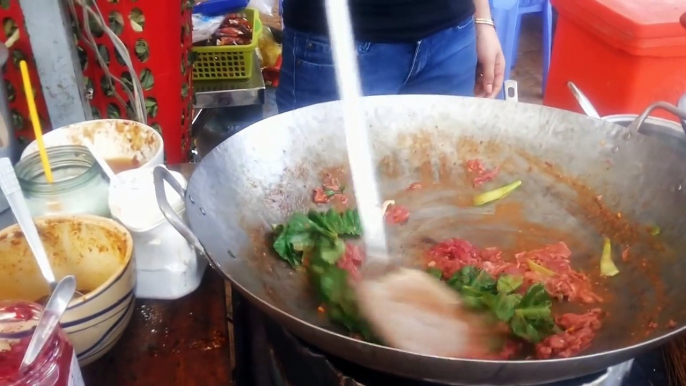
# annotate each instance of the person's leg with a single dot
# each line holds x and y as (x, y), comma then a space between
(449, 66)
(308, 76)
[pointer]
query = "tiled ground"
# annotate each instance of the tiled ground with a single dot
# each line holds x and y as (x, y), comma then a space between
(529, 69)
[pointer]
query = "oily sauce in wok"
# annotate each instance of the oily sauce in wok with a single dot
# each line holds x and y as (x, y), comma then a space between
(566, 308)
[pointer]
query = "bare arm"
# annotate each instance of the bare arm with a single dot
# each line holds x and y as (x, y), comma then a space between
(491, 66)
(483, 9)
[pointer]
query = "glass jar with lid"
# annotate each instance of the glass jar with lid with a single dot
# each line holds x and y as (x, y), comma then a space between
(56, 365)
(79, 185)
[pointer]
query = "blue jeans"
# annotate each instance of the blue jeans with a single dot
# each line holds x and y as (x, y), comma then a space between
(442, 64)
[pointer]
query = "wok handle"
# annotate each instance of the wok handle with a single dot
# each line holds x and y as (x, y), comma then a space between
(636, 124)
(161, 174)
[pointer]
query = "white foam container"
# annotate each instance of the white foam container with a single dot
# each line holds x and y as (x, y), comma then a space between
(167, 266)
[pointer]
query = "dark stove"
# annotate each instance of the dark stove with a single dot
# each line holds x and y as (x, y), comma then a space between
(268, 355)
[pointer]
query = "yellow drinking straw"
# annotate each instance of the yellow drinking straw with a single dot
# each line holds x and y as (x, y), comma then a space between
(37, 131)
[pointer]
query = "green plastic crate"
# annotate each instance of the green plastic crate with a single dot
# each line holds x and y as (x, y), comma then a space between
(228, 62)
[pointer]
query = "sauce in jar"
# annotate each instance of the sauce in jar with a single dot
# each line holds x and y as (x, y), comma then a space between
(56, 365)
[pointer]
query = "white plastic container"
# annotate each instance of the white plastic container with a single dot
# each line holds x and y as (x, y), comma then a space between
(167, 267)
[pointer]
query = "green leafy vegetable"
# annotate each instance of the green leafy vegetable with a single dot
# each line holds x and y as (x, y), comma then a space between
(533, 319)
(435, 272)
(654, 230)
(346, 223)
(295, 238)
(529, 316)
(329, 250)
(607, 266)
(535, 299)
(318, 235)
(508, 283)
(476, 287)
(496, 194)
(472, 281)
(340, 302)
(504, 306)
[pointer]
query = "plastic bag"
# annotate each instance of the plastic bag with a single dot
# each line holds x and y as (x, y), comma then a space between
(265, 7)
(219, 7)
(204, 26)
(268, 49)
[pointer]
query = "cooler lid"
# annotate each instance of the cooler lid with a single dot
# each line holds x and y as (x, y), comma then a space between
(640, 27)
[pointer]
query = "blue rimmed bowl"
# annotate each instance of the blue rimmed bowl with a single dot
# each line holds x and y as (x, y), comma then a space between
(97, 251)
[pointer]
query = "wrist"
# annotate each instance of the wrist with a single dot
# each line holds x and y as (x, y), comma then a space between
(482, 23)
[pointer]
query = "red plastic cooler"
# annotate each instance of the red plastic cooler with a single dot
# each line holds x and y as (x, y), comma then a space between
(623, 54)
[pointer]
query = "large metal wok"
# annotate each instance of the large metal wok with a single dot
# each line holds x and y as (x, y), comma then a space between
(259, 176)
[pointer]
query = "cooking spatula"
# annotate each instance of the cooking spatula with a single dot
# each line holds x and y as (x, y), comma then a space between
(408, 309)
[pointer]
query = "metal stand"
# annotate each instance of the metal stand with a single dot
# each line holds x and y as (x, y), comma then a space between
(223, 108)
(230, 93)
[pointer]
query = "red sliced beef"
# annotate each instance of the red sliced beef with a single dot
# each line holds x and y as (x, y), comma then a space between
(486, 176)
(579, 332)
(566, 283)
(554, 257)
(475, 166)
(573, 286)
(481, 174)
(351, 260)
(330, 182)
(397, 214)
(319, 197)
(452, 255)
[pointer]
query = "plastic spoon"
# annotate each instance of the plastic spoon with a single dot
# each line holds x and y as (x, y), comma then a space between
(409, 309)
(10, 187)
(52, 313)
(583, 101)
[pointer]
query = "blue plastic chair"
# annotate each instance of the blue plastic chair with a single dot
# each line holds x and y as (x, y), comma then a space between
(546, 9)
(505, 14)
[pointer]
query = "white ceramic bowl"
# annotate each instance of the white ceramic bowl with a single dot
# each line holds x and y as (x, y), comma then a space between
(97, 251)
(116, 140)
